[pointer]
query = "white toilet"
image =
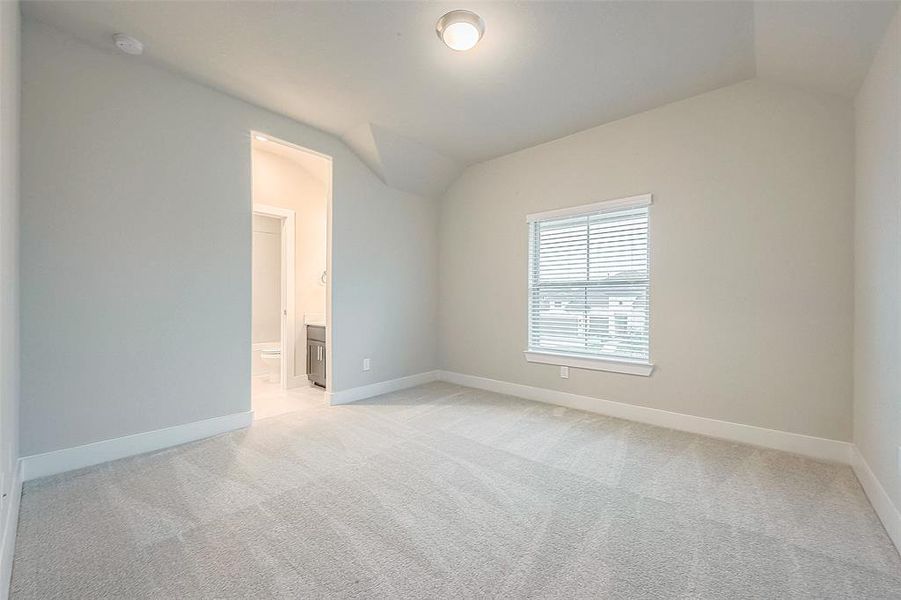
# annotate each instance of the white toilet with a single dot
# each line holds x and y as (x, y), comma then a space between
(272, 358)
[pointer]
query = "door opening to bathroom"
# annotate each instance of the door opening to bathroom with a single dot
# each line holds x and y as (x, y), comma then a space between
(273, 291)
(291, 285)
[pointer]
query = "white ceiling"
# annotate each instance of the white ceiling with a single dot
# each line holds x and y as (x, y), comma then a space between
(376, 74)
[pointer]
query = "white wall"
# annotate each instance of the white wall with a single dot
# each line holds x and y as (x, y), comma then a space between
(877, 254)
(9, 270)
(131, 321)
(282, 182)
(751, 256)
(266, 279)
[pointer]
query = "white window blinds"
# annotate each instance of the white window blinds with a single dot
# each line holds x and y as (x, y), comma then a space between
(589, 281)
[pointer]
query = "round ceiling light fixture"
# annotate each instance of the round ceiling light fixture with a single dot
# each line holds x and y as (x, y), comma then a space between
(460, 29)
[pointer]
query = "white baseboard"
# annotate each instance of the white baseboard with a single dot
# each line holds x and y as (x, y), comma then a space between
(382, 387)
(68, 459)
(814, 447)
(882, 503)
(10, 525)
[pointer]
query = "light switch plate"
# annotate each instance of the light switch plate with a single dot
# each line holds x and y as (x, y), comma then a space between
(365, 364)
(564, 372)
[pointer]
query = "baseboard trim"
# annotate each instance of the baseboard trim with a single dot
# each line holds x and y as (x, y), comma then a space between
(68, 459)
(382, 387)
(879, 498)
(10, 526)
(814, 447)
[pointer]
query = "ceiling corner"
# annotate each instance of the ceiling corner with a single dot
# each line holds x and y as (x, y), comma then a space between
(401, 162)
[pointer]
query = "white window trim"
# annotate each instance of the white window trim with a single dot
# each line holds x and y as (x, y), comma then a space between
(613, 365)
(605, 206)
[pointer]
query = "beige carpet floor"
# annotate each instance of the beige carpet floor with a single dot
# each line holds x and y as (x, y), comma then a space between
(447, 492)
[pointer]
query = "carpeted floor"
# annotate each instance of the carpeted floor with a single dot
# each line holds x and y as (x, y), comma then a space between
(447, 492)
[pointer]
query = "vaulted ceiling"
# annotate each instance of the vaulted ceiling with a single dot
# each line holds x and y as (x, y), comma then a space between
(376, 74)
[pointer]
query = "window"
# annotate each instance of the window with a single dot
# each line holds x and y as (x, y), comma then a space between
(589, 286)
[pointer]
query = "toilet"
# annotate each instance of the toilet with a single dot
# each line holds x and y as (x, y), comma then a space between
(272, 358)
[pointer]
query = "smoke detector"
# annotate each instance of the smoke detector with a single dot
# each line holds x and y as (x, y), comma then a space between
(128, 44)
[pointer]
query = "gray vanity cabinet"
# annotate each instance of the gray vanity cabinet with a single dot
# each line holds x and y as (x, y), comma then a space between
(316, 354)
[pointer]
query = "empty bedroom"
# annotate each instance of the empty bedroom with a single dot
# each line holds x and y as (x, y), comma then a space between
(450, 300)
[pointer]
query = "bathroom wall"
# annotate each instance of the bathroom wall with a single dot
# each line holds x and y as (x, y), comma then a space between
(282, 181)
(266, 280)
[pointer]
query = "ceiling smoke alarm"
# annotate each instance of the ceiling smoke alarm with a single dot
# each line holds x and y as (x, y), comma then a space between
(128, 44)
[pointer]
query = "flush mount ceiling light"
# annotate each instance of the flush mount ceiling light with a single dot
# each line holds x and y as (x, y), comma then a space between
(460, 29)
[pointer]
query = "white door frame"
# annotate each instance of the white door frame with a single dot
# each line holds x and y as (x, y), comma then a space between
(288, 335)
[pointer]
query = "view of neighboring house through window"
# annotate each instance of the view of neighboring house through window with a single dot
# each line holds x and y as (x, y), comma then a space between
(589, 281)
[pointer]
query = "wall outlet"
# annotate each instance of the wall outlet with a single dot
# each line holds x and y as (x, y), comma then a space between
(365, 364)
(564, 372)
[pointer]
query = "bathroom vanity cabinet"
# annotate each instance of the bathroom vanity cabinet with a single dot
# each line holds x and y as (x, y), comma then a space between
(316, 354)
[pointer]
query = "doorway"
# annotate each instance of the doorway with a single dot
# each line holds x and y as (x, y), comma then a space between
(273, 292)
(291, 331)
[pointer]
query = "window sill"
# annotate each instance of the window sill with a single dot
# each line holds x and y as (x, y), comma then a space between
(595, 364)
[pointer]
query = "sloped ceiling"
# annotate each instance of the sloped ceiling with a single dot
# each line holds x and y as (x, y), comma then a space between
(401, 162)
(319, 167)
(824, 46)
(375, 73)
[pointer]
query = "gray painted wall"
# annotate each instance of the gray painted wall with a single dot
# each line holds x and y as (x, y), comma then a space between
(877, 254)
(751, 256)
(130, 325)
(9, 249)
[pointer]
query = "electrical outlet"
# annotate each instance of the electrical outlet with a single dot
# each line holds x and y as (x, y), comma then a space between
(365, 364)
(564, 372)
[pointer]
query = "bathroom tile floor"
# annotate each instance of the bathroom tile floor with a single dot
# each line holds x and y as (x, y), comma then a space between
(269, 400)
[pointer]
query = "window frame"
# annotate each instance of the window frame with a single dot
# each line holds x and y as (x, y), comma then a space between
(580, 361)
